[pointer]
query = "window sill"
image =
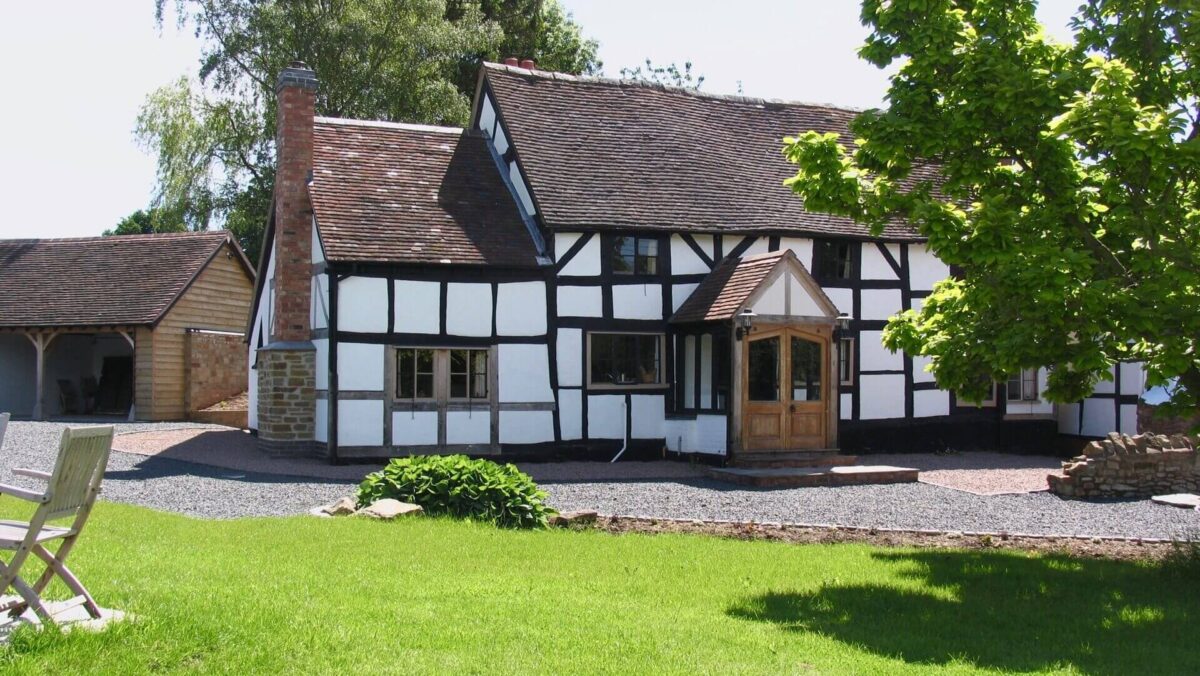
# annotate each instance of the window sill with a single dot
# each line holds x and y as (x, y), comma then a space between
(1030, 416)
(601, 387)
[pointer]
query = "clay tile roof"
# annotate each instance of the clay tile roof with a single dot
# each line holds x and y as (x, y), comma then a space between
(727, 287)
(99, 281)
(601, 153)
(394, 193)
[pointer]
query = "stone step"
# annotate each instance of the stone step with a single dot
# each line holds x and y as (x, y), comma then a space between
(800, 477)
(818, 458)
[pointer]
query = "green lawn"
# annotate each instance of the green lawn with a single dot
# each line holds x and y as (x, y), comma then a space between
(308, 595)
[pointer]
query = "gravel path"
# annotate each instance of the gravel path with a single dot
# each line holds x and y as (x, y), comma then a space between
(213, 492)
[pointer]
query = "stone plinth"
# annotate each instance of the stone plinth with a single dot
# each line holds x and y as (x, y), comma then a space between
(287, 398)
(1122, 466)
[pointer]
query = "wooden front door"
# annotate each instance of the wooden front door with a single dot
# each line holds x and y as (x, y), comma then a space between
(786, 393)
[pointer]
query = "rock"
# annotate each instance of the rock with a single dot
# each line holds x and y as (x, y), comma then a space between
(568, 518)
(1179, 500)
(389, 508)
(342, 507)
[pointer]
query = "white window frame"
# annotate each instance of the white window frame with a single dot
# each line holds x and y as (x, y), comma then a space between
(1026, 376)
(846, 351)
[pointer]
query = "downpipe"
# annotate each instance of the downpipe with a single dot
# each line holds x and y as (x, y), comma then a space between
(625, 427)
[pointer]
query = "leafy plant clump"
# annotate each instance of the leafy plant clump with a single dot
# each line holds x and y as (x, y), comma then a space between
(458, 486)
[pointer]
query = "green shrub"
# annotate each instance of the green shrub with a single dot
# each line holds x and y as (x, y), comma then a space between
(458, 486)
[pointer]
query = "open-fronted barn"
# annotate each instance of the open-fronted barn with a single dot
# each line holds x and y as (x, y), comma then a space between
(592, 267)
(138, 326)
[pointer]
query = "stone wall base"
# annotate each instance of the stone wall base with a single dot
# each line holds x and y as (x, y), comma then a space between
(287, 398)
(1121, 466)
(276, 448)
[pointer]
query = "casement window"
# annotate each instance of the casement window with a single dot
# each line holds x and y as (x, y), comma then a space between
(702, 371)
(846, 361)
(835, 260)
(989, 400)
(431, 374)
(625, 360)
(1023, 386)
(634, 255)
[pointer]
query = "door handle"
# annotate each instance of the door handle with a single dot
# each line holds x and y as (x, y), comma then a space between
(792, 408)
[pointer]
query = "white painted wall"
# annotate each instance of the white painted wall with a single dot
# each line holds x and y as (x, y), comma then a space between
(1133, 378)
(319, 305)
(772, 300)
(415, 428)
(514, 175)
(881, 397)
(761, 245)
(800, 302)
(1068, 418)
(418, 307)
(684, 260)
(321, 421)
(318, 249)
(580, 301)
(648, 416)
(845, 406)
(521, 309)
(360, 423)
(360, 368)
(586, 263)
(500, 142)
(322, 365)
(487, 114)
(1129, 419)
(524, 372)
(843, 299)
(1099, 417)
(802, 247)
(606, 416)
(680, 293)
(468, 427)
(924, 268)
(637, 301)
(526, 427)
(875, 266)
(930, 403)
(880, 303)
(570, 414)
(920, 375)
(873, 356)
(260, 327)
(705, 434)
(363, 304)
(570, 357)
(469, 309)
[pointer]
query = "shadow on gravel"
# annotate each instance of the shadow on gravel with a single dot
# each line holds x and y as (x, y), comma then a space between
(1006, 611)
(154, 467)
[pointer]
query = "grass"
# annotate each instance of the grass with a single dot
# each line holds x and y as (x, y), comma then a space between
(307, 595)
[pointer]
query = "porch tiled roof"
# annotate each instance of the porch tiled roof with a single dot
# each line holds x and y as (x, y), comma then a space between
(612, 154)
(124, 280)
(727, 288)
(395, 193)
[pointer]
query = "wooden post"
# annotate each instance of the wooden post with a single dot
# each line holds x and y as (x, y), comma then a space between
(128, 336)
(40, 342)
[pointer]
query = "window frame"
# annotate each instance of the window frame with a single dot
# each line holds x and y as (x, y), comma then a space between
(396, 361)
(1021, 380)
(613, 254)
(846, 355)
(661, 383)
(828, 265)
(471, 375)
(441, 378)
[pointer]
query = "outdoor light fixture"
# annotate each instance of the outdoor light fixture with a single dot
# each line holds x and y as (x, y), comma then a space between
(744, 321)
(843, 322)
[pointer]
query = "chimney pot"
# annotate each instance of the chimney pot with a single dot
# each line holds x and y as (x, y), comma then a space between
(527, 64)
(511, 61)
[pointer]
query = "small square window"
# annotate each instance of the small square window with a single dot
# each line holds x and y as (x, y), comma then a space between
(468, 374)
(634, 255)
(1023, 386)
(414, 373)
(836, 260)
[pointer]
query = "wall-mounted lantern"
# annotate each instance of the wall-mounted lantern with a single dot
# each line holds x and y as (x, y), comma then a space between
(744, 322)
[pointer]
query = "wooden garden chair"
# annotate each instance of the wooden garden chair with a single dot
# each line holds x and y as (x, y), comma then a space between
(3, 426)
(71, 491)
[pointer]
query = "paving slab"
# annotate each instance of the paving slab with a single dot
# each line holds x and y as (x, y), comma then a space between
(1188, 500)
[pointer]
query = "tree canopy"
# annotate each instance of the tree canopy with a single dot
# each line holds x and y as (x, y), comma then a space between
(1070, 193)
(401, 60)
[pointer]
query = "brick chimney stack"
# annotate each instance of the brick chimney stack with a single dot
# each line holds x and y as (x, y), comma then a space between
(287, 364)
(296, 91)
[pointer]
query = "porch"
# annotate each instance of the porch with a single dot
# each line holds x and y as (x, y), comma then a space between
(75, 372)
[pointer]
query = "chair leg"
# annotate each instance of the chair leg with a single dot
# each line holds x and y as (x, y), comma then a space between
(32, 600)
(55, 565)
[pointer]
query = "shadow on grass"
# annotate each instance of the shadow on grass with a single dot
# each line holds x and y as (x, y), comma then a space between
(1006, 611)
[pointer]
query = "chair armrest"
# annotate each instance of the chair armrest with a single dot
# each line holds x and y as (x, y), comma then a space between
(31, 473)
(23, 494)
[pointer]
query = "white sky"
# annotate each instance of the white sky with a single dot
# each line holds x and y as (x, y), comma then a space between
(77, 71)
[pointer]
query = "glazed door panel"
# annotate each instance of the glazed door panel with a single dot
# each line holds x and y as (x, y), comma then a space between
(764, 419)
(786, 385)
(807, 393)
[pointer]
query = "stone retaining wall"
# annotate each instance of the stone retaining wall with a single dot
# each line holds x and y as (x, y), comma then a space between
(1125, 466)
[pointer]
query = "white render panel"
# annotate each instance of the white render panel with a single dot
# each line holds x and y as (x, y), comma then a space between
(680, 293)
(521, 309)
(514, 175)
(360, 423)
(1133, 378)
(637, 301)
(563, 241)
(802, 247)
(930, 403)
(526, 427)
(881, 397)
(1129, 419)
(920, 375)
(318, 250)
(773, 298)
(360, 367)
(500, 141)
(846, 406)
(761, 245)
(487, 114)
(362, 304)
(684, 260)
(570, 357)
(648, 415)
(800, 301)
(319, 304)
(415, 428)
(875, 266)
(524, 372)
(321, 421)
(1099, 417)
(469, 309)
(586, 263)
(606, 416)
(1107, 386)
(322, 367)
(874, 356)
(580, 301)
(468, 427)
(706, 362)
(843, 299)
(880, 303)
(705, 434)
(924, 268)
(418, 307)
(1068, 418)
(570, 414)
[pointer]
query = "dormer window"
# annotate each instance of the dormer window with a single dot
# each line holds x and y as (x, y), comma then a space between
(634, 255)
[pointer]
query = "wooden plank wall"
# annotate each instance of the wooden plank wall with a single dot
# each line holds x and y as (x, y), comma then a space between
(218, 300)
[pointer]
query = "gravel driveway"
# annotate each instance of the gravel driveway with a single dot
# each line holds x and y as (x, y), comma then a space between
(213, 492)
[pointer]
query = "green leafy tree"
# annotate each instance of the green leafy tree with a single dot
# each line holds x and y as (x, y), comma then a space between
(401, 60)
(671, 75)
(1069, 196)
(146, 222)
